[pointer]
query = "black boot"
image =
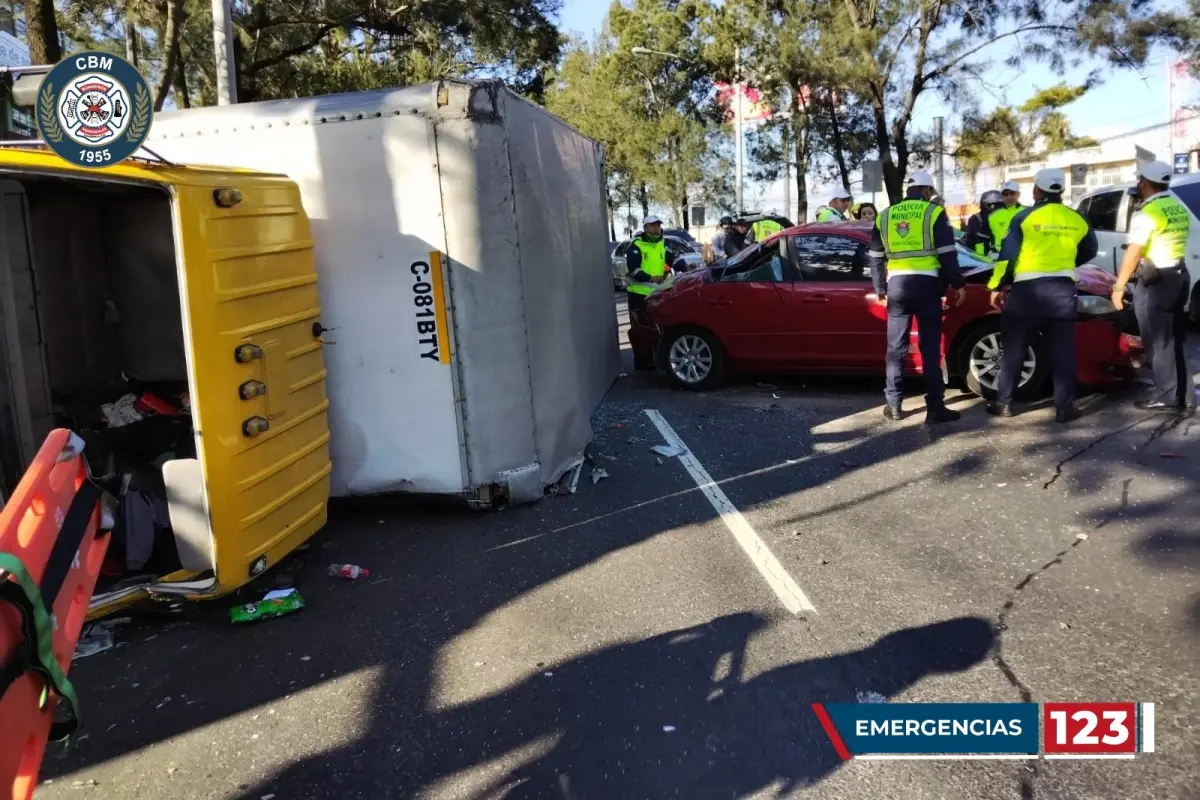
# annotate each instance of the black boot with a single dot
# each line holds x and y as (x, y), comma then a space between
(893, 413)
(939, 414)
(1064, 415)
(1001, 410)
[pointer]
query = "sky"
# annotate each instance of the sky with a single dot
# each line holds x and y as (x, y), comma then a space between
(1124, 101)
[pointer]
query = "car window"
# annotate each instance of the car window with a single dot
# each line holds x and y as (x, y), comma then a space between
(831, 258)
(1083, 206)
(1189, 195)
(680, 245)
(621, 248)
(1102, 212)
(762, 264)
(969, 259)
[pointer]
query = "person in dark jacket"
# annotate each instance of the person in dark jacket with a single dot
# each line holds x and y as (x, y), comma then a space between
(979, 237)
(738, 238)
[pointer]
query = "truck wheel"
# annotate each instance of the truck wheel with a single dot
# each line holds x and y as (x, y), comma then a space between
(692, 358)
(979, 363)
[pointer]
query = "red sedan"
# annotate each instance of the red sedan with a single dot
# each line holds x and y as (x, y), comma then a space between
(802, 301)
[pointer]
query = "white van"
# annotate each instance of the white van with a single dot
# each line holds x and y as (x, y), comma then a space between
(1109, 210)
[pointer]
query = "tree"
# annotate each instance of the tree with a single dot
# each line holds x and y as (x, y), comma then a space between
(41, 32)
(904, 48)
(1009, 135)
(667, 142)
(290, 48)
(819, 127)
(651, 112)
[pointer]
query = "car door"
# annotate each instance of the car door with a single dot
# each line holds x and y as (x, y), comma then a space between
(744, 307)
(1106, 212)
(619, 269)
(828, 304)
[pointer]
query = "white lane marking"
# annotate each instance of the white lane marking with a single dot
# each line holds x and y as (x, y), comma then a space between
(785, 588)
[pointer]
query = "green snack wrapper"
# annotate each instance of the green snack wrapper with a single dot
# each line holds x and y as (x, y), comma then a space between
(265, 609)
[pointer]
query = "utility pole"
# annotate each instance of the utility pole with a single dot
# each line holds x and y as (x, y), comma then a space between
(940, 175)
(223, 53)
(787, 177)
(737, 124)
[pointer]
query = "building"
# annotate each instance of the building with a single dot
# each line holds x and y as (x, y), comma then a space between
(15, 122)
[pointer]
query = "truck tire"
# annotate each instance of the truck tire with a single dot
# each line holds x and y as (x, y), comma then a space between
(979, 362)
(692, 358)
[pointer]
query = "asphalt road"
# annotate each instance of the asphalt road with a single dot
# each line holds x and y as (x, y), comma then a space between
(621, 643)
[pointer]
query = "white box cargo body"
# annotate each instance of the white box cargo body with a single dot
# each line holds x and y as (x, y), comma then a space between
(460, 240)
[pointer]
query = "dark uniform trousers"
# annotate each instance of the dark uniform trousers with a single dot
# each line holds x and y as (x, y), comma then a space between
(918, 296)
(1163, 327)
(635, 303)
(1046, 306)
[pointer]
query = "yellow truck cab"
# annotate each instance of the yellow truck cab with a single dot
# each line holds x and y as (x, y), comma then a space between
(169, 315)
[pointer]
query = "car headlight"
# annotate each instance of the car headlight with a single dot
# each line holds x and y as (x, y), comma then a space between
(1093, 306)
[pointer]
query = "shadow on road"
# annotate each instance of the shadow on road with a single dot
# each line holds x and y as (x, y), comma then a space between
(671, 715)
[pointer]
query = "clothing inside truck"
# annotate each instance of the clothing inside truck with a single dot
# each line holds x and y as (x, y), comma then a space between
(94, 341)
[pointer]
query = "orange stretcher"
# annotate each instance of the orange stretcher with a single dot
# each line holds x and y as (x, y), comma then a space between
(50, 556)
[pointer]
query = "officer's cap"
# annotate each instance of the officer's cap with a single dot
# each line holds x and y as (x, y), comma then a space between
(921, 178)
(841, 194)
(1051, 180)
(991, 198)
(1011, 186)
(1156, 172)
(652, 220)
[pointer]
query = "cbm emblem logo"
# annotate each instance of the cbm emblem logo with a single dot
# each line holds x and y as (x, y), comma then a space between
(902, 228)
(94, 109)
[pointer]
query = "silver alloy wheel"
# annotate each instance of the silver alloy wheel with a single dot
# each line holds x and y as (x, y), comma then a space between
(691, 358)
(985, 362)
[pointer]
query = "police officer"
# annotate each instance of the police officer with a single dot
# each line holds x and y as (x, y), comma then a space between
(979, 231)
(764, 228)
(1001, 219)
(1155, 250)
(1034, 285)
(648, 260)
(838, 207)
(912, 254)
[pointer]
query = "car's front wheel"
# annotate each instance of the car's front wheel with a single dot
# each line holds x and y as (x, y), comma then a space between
(980, 358)
(691, 358)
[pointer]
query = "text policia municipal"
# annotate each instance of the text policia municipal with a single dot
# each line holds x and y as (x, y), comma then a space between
(937, 727)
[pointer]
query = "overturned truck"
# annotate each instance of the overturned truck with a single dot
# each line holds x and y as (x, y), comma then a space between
(459, 234)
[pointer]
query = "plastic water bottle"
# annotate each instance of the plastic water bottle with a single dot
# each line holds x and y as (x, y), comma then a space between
(350, 572)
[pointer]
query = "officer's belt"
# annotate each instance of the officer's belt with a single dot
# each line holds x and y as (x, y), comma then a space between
(902, 254)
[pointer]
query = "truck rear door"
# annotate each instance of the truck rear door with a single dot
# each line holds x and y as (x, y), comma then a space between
(258, 373)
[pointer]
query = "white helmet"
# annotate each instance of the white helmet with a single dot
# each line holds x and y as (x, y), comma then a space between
(653, 219)
(1156, 172)
(1050, 180)
(921, 178)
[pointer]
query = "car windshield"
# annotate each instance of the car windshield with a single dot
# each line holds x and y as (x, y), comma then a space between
(733, 261)
(969, 261)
